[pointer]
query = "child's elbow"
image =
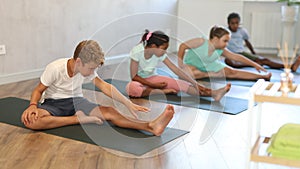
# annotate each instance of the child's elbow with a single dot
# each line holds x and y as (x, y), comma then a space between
(182, 46)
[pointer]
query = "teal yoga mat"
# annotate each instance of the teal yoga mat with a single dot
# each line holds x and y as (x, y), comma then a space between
(247, 83)
(106, 135)
(228, 105)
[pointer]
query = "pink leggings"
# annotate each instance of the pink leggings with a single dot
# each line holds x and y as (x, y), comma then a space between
(135, 89)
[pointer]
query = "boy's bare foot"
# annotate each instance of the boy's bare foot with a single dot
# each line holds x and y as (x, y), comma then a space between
(84, 119)
(267, 76)
(296, 64)
(219, 93)
(158, 125)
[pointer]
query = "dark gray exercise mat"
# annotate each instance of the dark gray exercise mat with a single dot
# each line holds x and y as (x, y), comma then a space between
(127, 140)
(228, 105)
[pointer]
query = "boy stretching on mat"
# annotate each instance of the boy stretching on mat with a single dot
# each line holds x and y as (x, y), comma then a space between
(64, 103)
(239, 35)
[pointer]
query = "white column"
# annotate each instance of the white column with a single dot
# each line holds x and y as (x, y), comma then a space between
(289, 17)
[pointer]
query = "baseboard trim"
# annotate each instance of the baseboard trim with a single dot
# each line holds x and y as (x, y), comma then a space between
(17, 77)
(111, 60)
(36, 73)
(266, 51)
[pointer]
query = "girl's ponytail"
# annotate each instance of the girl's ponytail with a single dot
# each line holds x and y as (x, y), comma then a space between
(157, 38)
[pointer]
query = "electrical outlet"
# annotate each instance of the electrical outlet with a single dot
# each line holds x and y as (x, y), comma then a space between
(2, 50)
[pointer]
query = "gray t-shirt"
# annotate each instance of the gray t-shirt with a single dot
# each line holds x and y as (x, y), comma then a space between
(236, 42)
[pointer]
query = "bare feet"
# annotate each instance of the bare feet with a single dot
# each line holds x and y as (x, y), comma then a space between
(219, 93)
(296, 64)
(84, 119)
(267, 76)
(158, 125)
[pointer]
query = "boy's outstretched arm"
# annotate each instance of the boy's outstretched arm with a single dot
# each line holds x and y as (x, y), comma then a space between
(114, 93)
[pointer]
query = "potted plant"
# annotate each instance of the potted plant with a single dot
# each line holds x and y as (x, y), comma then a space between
(289, 12)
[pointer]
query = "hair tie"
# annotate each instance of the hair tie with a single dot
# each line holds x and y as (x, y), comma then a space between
(215, 27)
(148, 36)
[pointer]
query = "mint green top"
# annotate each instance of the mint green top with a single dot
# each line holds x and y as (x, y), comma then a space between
(147, 67)
(199, 58)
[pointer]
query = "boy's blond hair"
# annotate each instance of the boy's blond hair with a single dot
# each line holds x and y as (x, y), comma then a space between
(89, 51)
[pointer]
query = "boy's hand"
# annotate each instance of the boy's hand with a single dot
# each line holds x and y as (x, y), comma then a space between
(134, 107)
(30, 115)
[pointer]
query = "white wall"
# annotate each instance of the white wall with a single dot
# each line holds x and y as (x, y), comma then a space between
(36, 32)
(267, 7)
(198, 16)
(203, 14)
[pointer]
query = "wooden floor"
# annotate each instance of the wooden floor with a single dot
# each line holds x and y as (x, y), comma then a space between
(215, 141)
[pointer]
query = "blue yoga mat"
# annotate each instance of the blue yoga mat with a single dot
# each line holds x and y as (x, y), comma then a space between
(247, 83)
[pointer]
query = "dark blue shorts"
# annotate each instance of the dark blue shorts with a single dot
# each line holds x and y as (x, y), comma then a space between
(67, 106)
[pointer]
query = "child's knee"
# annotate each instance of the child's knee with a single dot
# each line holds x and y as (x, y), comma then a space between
(134, 89)
(228, 61)
(231, 72)
(179, 85)
(109, 111)
(264, 60)
(32, 125)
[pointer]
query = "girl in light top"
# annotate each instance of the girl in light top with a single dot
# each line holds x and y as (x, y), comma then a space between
(203, 58)
(144, 59)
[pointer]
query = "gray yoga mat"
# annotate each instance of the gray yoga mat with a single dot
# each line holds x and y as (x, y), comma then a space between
(107, 135)
(228, 105)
